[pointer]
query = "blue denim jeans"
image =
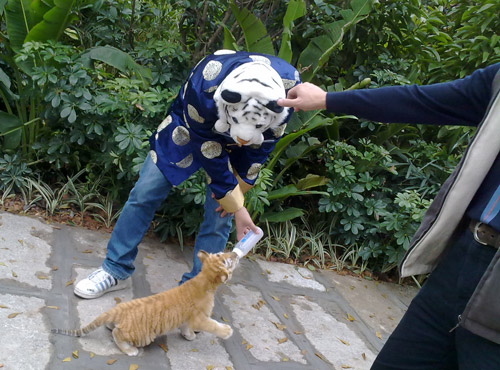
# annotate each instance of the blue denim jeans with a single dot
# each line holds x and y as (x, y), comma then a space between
(424, 339)
(150, 190)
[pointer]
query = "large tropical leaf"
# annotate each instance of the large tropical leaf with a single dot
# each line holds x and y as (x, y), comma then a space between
(256, 37)
(315, 122)
(319, 49)
(229, 40)
(54, 20)
(18, 20)
(36, 20)
(311, 181)
(4, 79)
(290, 191)
(2, 6)
(282, 216)
(117, 59)
(295, 10)
(10, 128)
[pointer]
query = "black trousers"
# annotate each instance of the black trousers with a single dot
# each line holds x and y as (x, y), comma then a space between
(422, 340)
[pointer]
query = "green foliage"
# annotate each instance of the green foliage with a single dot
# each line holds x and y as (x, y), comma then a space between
(83, 85)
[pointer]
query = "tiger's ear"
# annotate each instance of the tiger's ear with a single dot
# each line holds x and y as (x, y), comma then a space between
(202, 255)
(273, 106)
(230, 96)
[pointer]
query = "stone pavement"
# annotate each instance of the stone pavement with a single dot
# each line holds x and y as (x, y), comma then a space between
(283, 316)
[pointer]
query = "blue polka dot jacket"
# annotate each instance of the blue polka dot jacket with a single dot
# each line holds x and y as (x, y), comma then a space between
(186, 139)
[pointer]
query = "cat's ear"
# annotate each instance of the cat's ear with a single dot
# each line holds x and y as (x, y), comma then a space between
(202, 255)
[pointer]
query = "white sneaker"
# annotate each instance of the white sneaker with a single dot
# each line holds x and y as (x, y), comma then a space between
(98, 283)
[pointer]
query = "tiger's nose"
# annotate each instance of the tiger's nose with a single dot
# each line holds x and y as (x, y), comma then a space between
(241, 141)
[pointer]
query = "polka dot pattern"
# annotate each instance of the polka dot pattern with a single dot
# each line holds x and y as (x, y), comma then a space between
(211, 149)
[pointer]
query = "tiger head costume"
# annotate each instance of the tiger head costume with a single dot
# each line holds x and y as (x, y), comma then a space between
(246, 102)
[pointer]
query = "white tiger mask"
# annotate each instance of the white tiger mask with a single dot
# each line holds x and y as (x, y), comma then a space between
(246, 103)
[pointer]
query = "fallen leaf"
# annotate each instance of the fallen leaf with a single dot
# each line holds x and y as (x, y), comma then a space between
(43, 277)
(12, 315)
(285, 316)
(298, 332)
(54, 268)
(275, 298)
(224, 319)
(279, 326)
(346, 367)
(350, 318)
(210, 367)
(53, 307)
(111, 361)
(351, 287)
(14, 274)
(384, 295)
(133, 367)
(248, 346)
(194, 350)
(379, 336)
(285, 359)
(320, 356)
(268, 272)
(229, 368)
(74, 354)
(149, 257)
(67, 359)
(363, 356)
(259, 304)
(3, 264)
(282, 340)
(303, 352)
(117, 300)
(91, 354)
(2, 306)
(68, 283)
(244, 341)
(163, 347)
(212, 342)
(344, 342)
(20, 241)
(87, 251)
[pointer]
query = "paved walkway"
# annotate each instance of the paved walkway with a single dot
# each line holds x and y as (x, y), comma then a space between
(284, 317)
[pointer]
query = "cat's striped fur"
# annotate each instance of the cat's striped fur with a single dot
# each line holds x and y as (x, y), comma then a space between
(189, 306)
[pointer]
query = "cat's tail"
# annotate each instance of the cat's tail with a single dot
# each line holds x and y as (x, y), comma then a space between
(99, 321)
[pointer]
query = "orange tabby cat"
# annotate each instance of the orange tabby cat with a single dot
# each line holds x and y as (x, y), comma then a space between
(189, 306)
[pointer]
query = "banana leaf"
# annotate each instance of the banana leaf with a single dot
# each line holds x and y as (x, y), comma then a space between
(54, 21)
(319, 49)
(256, 38)
(117, 59)
(282, 216)
(10, 129)
(295, 10)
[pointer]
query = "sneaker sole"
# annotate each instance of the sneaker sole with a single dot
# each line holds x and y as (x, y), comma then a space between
(123, 285)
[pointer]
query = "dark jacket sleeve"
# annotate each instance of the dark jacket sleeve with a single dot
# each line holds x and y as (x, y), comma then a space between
(459, 102)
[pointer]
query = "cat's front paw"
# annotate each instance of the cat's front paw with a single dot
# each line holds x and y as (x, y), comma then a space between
(133, 351)
(226, 331)
(188, 333)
